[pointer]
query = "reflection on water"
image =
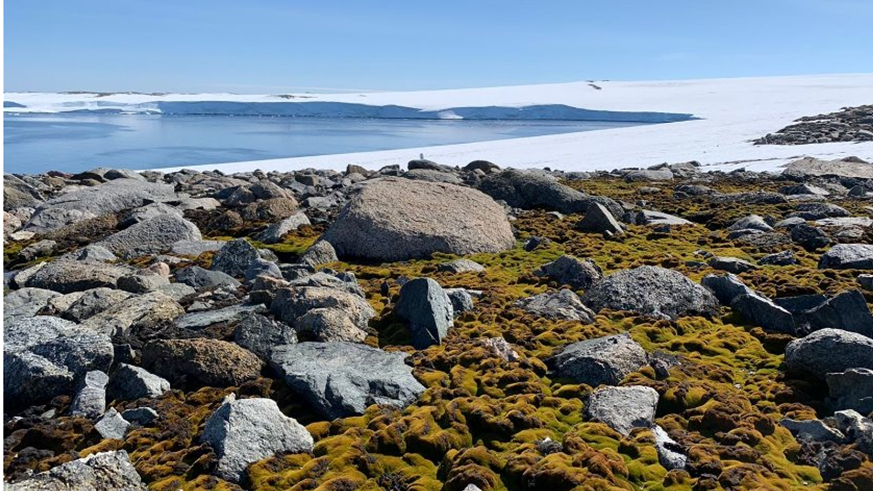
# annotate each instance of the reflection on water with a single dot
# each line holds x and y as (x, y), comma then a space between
(76, 142)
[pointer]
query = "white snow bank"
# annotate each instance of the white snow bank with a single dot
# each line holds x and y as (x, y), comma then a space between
(732, 112)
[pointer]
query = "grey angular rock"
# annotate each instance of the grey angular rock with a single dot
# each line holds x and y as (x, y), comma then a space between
(343, 379)
(66, 276)
(460, 266)
(138, 312)
(81, 306)
(623, 408)
(656, 218)
(432, 176)
(761, 311)
(500, 347)
(670, 453)
(649, 175)
(784, 258)
(199, 278)
(320, 253)
(731, 264)
(234, 258)
(812, 430)
(529, 189)
(755, 222)
(93, 252)
(323, 313)
(245, 431)
(461, 299)
(563, 304)
(46, 356)
(817, 211)
(260, 267)
(424, 305)
(274, 233)
(195, 248)
(38, 249)
(601, 361)
(847, 256)
(847, 311)
(857, 428)
(851, 389)
(142, 416)
(226, 315)
(104, 471)
(143, 283)
(847, 167)
(651, 290)
(574, 272)
(130, 382)
(809, 237)
(26, 302)
(147, 212)
(393, 219)
(726, 287)
(112, 425)
(813, 355)
(599, 220)
(260, 334)
(90, 400)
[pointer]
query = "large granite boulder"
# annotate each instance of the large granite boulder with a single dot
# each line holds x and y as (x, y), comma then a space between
(136, 313)
(847, 256)
(393, 219)
(323, 313)
(111, 197)
(66, 276)
(234, 258)
(847, 167)
(46, 356)
(275, 232)
(607, 360)
(245, 431)
(130, 382)
(574, 272)
(827, 351)
(529, 189)
(427, 309)
(199, 278)
(343, 379)
(105, 471)
(852, 389)
(654, 291)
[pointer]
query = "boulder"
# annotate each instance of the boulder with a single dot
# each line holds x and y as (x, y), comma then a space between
(812, 430)
(857, 428)
(26, 302)
(670, 453)
(649, 175)
(563, 304)
(726, 287)
(142, 416)
(260, 334)
(847, 311)
(761, 311)
(269, 210)
(847, 167)
(343, 379)
(731, 264)
(195, 248)
(574, 272)
(460, 266)
(323, 313)
(136, 313)
(536, 189)
(104, 471)
(129, 382)
(461, 300)
(143, 282)
(320, 253)
(784, 258)
(89, 202)
(93, 252)
(274, 233)
(847, 256)
(813, 355)
(424, 305)
(234, 258)
(80, 306)
(66, 276)
(432, 176)
(653, 218)
(200, 278)
(654, 291)
(817, 211)
(262, 267)
(754, 222)
(112, 425)
(46, 356)
(851, 389)
(601, 361)
(599, 220)
(623, 408)
(396, 219)
(245, 431)
(90, 400)
(200, 361)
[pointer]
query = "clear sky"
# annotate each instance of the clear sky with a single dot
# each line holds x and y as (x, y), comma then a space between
(270, 46)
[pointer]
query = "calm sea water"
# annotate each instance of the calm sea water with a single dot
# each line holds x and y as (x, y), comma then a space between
(77, 142)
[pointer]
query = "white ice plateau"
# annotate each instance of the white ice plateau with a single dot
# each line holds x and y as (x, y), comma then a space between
(710, 121)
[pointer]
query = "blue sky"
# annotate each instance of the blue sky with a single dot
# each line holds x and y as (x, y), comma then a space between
(271, 46)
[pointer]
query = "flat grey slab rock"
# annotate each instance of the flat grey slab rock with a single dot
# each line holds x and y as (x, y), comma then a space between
(563, 304)
(847, 256)
(343, 379)
(623, 408)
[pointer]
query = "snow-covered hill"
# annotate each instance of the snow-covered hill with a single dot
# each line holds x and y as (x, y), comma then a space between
(729, 113)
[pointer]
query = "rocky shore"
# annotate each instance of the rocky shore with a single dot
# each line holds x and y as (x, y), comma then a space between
(852, 124)
(441, 328)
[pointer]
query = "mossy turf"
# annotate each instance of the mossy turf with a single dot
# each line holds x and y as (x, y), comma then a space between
(481, 417)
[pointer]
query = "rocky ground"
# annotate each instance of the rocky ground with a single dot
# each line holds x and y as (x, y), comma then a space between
(852, 124)
(440, 329)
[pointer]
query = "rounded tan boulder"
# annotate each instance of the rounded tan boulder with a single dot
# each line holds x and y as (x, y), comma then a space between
(394, 219)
